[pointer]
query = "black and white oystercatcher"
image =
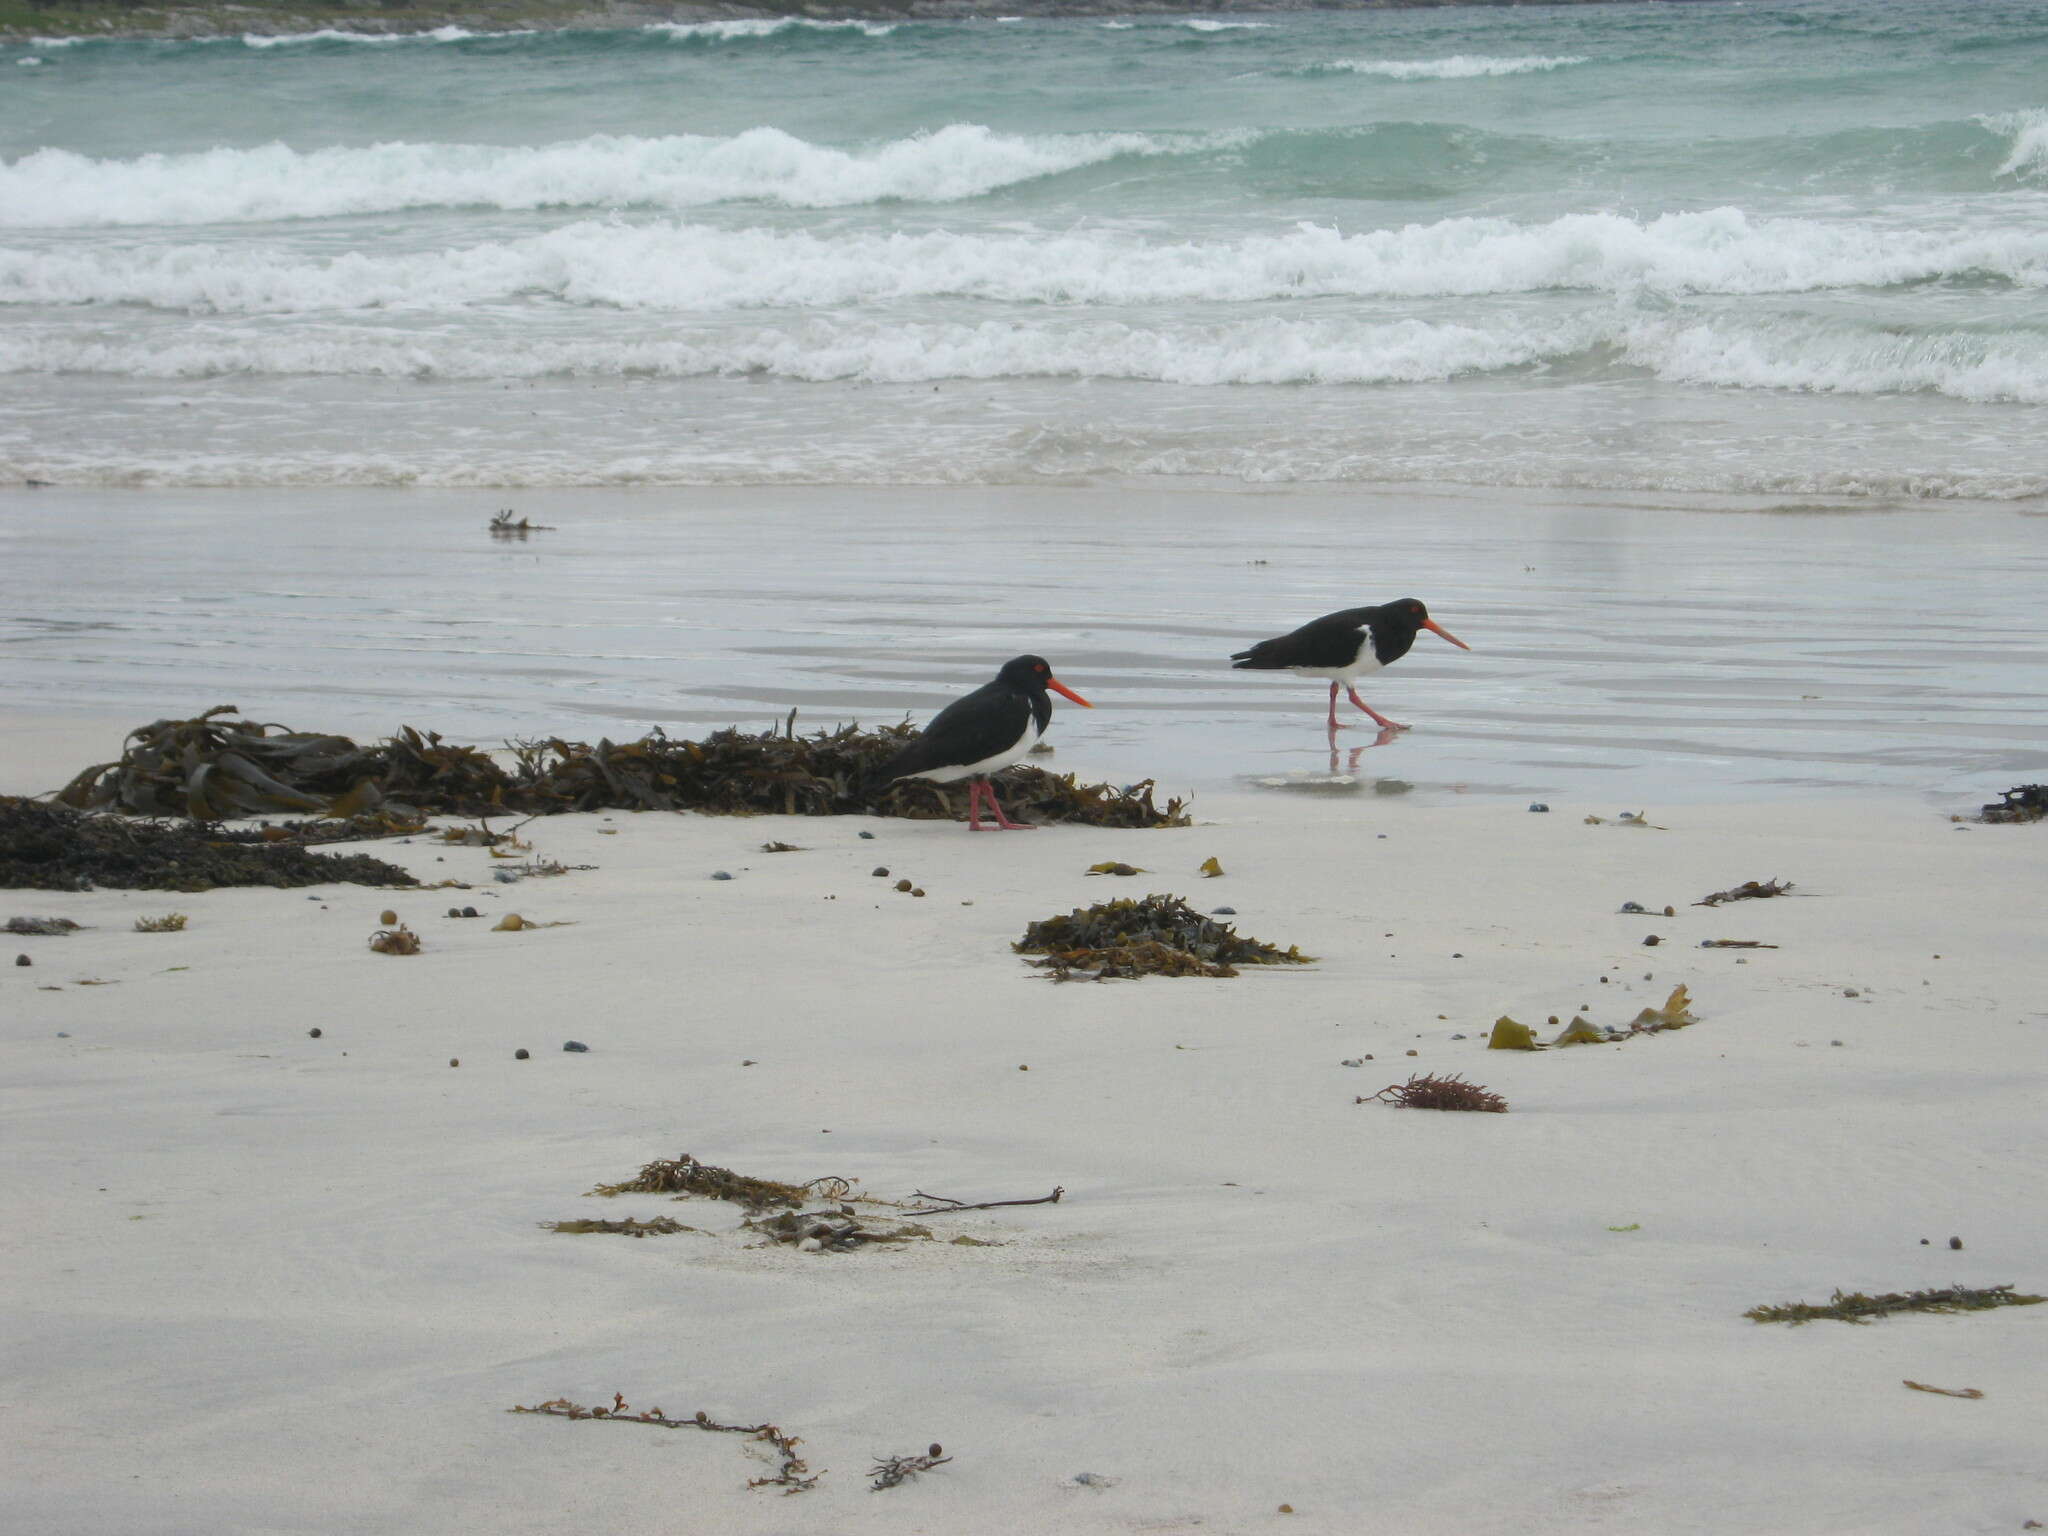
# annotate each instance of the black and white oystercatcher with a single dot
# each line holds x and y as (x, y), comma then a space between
(1347, 645)
(986, 731)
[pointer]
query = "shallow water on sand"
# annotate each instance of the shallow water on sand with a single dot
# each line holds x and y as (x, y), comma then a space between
(1626, 652)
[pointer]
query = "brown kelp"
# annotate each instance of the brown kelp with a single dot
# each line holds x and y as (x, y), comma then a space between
(218, 765)
(1428, 1091)
(1855, 1307)
(54, 848)
(1155, 936)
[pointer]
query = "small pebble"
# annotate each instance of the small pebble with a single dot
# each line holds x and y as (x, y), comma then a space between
(1223, 911)
(1834, 1042)
(721, 874)
(1923, 1242)
(903, 885)
(1352, 1061)
(1457, 954)
(1414, 1053)
(506, 877)
(1632, 906)
(880, 871)
(23, 960)
(574, 1045)
(387, 917)
(1850, 992)
(522, 1054)
(917, 890)
(63, 1034)
(454, 1061)
(1022, 1068)
(314, 1032)
(1457, 1037)
(469, 912)
(1651, 940)
(1955, 1243)
(869, 836)
(1603, 981)
(1368, 1056)
(1671, 911)
(1538, 805)
(455, 911)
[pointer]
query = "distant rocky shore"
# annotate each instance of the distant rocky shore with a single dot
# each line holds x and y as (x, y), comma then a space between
(21, 19)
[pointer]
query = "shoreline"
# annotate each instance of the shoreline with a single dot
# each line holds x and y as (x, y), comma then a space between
(21, 23)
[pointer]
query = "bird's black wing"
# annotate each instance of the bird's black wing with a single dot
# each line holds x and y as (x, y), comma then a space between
(978, 726)
(1331, 641)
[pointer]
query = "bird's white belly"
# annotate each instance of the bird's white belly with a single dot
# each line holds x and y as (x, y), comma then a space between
(991, 764)
(1366, 663)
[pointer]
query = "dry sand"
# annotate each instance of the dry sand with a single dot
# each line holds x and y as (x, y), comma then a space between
(260, 1281)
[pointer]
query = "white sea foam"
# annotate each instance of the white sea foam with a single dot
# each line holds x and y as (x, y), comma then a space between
(1263, 351)
(679, 266)
(731, 31)
(449, 34)
(1457, 67)
(58, 189)
(1198, 24)
(1767, 352)
(2029, 133)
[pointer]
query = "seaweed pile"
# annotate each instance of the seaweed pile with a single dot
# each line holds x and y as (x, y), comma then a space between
(684, 1175)
(217, 765)
(2023, 802)
(1158, 936)
(53, 848)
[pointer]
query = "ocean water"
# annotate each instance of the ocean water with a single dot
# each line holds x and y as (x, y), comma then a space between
(1691, 361)
(1771, 249)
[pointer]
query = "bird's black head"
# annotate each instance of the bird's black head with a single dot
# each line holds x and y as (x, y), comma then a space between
(1405, 617)
(1033, 675)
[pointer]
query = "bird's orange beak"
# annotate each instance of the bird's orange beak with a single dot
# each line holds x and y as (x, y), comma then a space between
(1434, 627)
(1059, 687)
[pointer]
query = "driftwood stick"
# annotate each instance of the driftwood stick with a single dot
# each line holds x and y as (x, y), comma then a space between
(951, 1205)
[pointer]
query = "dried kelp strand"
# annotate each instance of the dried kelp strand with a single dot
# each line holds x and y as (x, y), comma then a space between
(1855, 1307)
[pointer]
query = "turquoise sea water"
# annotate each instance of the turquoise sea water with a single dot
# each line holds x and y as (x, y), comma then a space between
(1760, 249)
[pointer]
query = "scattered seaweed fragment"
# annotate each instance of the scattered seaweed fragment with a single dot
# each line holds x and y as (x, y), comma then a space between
(632, 1226)
(839, 1230)
(41, 926)
(684, 1175)
(889, 1471)
(1154, 936)
(2023, 802)
(1855, 1307)
(1428, 1091)
(170, 922)
(1749, 890)
(400, 940)
(57, 848)
(214, 766)
(791, 1475)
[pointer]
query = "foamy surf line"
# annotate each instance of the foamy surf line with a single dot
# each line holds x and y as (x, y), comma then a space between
(59, 189)
(1457, 67)
(1726, 351)
(668, 265)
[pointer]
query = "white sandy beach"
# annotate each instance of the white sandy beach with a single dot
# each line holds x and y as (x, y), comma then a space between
(266, 1282)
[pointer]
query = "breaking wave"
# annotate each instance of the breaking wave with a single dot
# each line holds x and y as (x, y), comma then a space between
(59, 189)
(679, 266)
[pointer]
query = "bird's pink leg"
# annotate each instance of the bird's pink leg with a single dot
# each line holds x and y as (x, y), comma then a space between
(1334, 726)
(1001, 820)
(1384, 723)
(974, 805)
